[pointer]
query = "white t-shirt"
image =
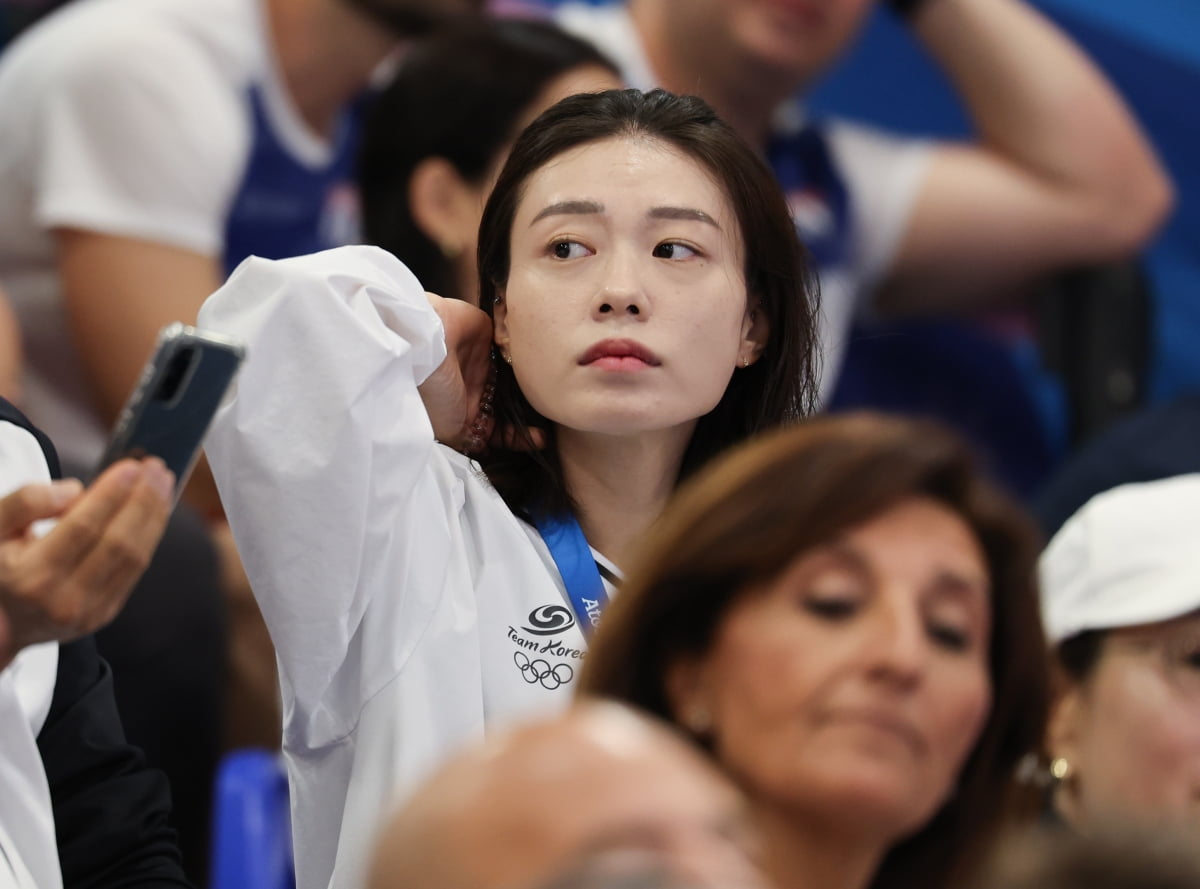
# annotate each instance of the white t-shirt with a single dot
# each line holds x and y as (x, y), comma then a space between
(28, 849)
(408, 606)
(129, 118)
(881, 174)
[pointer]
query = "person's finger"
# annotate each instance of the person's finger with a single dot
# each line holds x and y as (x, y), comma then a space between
(81, 526)
(30, 503)
(131, 536)
(128, 541)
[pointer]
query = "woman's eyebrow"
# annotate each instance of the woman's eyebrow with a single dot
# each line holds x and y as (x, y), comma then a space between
(575, 208)
(962, 585)
(568, 208)
(683, 213)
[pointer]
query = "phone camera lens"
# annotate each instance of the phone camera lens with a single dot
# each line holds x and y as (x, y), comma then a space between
(176, 370)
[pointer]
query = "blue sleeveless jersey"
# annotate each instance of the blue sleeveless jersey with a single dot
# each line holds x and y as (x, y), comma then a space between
(816, 193)
(286, 208)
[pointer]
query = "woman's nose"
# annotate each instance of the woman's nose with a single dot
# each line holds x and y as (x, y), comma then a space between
(899, 646)
(622, 292)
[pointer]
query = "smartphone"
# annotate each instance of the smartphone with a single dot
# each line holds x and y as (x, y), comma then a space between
(170, 409)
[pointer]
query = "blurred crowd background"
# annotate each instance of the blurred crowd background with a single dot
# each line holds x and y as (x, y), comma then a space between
(1086, 378)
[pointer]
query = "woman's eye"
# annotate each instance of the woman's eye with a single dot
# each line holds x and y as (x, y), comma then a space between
(1190, 657)
(831, 608)
(673, 250)
(1183, 651)
(949, 637)
(568, 250)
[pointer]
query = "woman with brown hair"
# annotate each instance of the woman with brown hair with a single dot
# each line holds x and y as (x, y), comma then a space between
(845, 615)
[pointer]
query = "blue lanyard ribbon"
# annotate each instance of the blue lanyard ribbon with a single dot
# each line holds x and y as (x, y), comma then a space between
(573, 557)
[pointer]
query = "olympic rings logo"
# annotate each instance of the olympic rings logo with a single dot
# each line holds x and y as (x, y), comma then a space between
(540, 672)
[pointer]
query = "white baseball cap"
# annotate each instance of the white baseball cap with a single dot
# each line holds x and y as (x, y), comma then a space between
(1129, 556)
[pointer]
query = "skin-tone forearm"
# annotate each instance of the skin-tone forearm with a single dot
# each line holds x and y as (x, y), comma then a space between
(1062, 174)
(119, 293)
(1039, 101)
(11, 352)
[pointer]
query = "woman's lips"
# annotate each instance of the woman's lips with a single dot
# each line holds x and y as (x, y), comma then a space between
(617, 354)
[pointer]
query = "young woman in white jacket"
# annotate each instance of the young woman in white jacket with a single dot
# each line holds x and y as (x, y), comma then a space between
(646, 303)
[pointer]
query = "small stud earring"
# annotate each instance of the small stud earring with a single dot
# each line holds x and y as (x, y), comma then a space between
(745, 362)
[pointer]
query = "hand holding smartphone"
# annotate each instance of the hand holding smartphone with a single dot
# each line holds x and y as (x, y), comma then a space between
(170, 409)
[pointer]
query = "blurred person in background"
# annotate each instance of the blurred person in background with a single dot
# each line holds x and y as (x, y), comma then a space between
(644, 304)
(150, 145)
(1060, 175)
(598, 790)
(844, 615)
(436, 137)
(1121, 600)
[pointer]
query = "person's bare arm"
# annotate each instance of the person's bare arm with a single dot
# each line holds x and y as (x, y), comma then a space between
(11, 352)
(1062, 175)
(119, 293)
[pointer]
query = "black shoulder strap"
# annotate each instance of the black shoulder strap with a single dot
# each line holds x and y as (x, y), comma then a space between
(9, 414)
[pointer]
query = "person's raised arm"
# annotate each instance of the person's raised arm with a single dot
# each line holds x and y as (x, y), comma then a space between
(324, 456)
(1062, 175)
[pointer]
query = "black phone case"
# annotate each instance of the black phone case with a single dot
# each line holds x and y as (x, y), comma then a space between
(171, 424)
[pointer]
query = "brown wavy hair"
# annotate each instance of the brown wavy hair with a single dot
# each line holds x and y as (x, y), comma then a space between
(744, 520)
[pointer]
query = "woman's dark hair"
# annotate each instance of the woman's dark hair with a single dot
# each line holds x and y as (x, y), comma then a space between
(778, 388)
(1079, 654)
(1111, 855)
(457, 96)
(742, 522)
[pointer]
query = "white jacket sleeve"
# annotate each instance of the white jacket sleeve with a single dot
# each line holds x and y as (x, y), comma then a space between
(321, 455)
